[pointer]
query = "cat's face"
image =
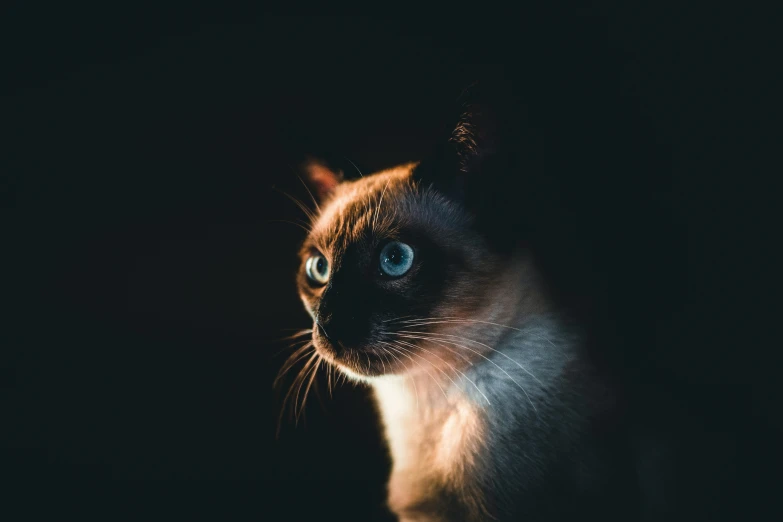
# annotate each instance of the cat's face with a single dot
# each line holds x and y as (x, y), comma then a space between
(388, 272)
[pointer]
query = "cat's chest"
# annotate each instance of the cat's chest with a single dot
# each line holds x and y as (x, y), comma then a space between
(429, 431)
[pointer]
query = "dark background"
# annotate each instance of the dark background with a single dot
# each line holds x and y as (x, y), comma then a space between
(149, 273)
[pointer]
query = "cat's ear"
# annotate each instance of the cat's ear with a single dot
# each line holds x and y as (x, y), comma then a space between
(474, 138)
(321, 178)
(467, 147)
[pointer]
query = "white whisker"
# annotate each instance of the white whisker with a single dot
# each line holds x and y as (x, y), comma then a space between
(450, 366)
(421, 366)
(314, 372)
(413, 380)
(378, 207)
(290, 362)
(306, 369)
(309, 192)
(485, 346)
(480, 355)
(287, 396)
(447, 320)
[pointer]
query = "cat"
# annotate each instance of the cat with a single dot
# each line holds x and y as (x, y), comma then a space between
(489, 408)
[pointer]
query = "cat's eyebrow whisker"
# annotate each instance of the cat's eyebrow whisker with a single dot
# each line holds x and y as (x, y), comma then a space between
(304, 227)
(302, 206)
(378, 207)
(451, 366)
(309, 192)
(480, 355)
(485, 346)
(354, 166)
(421, 366)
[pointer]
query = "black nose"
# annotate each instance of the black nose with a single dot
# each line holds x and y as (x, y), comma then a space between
(349, 331)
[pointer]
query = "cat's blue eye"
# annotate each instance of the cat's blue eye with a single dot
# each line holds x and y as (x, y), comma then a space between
(396, 259)
(317, 269)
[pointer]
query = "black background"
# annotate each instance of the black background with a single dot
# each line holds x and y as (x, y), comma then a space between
(149, 270)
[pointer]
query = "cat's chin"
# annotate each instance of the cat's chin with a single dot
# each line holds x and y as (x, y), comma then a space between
(358, 377)
(359, 374)
(356, 364)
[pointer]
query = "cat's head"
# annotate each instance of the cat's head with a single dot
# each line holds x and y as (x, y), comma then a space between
(395, 273)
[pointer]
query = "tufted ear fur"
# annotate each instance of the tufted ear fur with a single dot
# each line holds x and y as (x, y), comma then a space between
(470, 147)
(479, 162)
(321, 178)
(474, 138)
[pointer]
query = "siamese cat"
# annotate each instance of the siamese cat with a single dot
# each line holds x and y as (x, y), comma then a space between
(488, 406)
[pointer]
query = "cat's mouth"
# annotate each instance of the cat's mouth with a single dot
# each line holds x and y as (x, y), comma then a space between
(364, 361)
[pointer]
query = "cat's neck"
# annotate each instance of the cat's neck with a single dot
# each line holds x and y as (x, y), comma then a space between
(435, 434)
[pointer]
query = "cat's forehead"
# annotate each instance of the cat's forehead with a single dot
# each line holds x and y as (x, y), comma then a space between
(362, 205)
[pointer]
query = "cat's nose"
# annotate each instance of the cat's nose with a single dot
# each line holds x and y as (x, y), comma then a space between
(345, 331)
